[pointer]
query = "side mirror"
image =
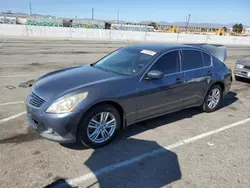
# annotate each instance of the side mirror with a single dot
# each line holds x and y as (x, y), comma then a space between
(154, 74)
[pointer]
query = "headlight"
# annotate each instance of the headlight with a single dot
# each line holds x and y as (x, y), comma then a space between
(239, 66)
(67, 104)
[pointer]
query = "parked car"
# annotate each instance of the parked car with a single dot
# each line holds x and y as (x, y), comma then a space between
(242, 69)
(91, 103)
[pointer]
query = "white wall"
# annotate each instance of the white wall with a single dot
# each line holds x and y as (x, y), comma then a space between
(191, 38)
(13, 30)
(216, 39)
(127, 35)
(99, 34)
(161, 37)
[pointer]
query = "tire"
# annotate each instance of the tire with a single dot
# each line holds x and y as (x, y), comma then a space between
(205, 106)
(237, 78)
(85, 132)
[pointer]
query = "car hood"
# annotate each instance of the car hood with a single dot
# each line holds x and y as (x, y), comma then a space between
(63, 81)
(245, 61)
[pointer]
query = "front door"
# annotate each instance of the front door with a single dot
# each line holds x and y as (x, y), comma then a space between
(159, 96)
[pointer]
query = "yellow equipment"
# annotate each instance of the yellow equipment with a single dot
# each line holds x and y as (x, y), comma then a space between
(220, 31)
(174, 29)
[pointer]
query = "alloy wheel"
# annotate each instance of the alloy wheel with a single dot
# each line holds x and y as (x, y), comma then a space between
(101, 127)
(213, 98)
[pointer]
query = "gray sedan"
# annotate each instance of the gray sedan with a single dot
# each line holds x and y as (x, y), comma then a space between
(242, 69)
(92, 103)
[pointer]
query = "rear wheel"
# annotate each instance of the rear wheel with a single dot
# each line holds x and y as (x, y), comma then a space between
(213, 99)
(99, 126)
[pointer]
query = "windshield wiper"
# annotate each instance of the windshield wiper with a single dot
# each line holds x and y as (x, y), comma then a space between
(108, 70)
(102, 68)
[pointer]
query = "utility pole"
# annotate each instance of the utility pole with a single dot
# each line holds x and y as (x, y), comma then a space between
(118, 15)
(93, 13)
(30, 8)
(188, 19)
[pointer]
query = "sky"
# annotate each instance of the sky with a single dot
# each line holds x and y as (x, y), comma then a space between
(202, 11)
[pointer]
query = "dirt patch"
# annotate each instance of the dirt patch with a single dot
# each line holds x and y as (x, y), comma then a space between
(29, 83)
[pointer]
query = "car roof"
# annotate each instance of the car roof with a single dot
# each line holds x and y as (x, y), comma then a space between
(157, 47)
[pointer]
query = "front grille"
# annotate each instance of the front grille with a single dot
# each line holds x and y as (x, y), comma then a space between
(247, 67)
(34, 100)
(243, 73)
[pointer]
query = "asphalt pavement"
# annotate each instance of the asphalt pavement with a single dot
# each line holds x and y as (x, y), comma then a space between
(183, 149)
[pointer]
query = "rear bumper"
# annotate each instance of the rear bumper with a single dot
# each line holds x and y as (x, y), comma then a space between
(227, 84)
(60, 128)
(227, 88)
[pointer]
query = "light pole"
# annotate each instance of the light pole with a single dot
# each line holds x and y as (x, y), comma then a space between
(30, 8)
(93, 13)
(188, 19)
(118, 16)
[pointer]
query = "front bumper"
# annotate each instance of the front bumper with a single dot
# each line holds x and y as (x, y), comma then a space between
(60, 128)
(242, 73)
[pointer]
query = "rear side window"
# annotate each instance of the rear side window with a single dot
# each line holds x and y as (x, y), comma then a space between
(191, 60)
(168, 63)
(206, 60)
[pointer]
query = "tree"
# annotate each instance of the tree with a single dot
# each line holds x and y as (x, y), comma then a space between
(152, 24)
(225, 29)
(238, 28)
(203, 29)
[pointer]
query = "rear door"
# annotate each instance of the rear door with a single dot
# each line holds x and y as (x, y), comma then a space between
(160, 96)
(196, 66)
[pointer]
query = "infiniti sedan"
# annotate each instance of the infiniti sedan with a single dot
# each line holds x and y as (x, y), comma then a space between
(242, 69)
(92, 103)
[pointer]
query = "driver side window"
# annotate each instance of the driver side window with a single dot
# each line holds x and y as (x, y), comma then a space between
(168, 63)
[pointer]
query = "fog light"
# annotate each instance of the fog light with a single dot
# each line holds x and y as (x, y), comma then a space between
(50, 131)
(248, 74)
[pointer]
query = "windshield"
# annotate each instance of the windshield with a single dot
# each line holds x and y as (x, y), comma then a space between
(125, 61)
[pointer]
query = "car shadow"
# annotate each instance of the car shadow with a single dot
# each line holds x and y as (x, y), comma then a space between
(229, 99)
(60, 183)
(130, 162)
(30, 135)
(133, 162)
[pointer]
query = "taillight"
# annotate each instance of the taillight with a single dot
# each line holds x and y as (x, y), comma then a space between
(230, 70)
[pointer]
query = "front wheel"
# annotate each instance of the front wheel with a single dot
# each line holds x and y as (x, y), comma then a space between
(237, 78)
(99, 126)
(213, 99)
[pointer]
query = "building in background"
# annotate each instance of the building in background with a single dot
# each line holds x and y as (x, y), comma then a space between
(176, 27)
(246, 31)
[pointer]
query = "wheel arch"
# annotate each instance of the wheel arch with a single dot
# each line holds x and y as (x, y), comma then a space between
(113, 103)
(220, 83)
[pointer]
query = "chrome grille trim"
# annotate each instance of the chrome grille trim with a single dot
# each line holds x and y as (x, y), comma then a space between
(35, 100)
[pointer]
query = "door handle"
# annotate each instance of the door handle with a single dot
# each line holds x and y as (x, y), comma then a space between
(178, 80)
(209, 73)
